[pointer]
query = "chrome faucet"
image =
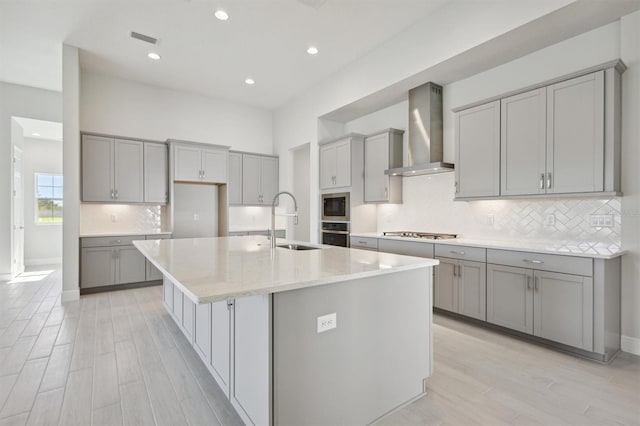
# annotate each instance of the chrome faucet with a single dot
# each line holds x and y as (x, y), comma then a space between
(272, 232)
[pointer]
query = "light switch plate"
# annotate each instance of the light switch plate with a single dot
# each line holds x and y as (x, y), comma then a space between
(327, 322)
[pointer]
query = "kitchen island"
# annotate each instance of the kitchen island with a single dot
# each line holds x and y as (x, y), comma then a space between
(326, 335)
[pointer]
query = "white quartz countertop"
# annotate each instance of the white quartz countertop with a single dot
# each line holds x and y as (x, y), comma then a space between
(122, 234)
(594, 251)
(213, 269)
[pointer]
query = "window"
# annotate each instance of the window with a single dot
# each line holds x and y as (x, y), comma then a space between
(48, 199)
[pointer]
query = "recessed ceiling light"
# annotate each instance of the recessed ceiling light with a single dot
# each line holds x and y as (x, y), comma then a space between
(154, 56)
(250, 81)
(35, 134)
(312, 50)
(221, 15)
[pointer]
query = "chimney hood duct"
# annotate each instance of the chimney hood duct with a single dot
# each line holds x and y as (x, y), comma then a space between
(425, 133)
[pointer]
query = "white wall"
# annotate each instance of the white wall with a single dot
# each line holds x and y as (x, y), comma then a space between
(42, 243)
(18, 101)
(126, 108)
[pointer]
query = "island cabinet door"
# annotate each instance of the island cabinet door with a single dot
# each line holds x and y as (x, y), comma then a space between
(252, 361)
(202, 331)
(177, 305)
(167, 289)
(220, 344)
(188, 317)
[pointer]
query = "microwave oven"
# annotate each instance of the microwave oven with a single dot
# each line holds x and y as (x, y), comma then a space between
(335, 206)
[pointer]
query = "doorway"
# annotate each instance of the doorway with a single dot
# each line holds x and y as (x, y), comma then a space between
(17, 265)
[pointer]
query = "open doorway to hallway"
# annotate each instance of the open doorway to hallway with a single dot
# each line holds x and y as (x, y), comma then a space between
(36, 194)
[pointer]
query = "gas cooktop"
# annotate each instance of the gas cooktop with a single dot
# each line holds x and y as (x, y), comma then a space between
(429, 235)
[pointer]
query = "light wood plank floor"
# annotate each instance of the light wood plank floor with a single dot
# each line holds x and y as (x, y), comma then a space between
(118, 358)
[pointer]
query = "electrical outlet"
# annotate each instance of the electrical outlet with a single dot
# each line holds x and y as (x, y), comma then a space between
(196, 216)
(602, 220)
(550, 220)
(327, 322)
(491, 219)
(114, 218)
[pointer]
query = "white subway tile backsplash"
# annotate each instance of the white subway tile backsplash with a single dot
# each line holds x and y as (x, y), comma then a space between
(115, 218)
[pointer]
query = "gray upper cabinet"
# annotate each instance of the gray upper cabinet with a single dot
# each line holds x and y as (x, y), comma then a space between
(156, 173)
(382, 151)
(196, 163)
(234, 187)
(335, 164)
(112, 170)
(575, 135)
(259, 179)
(523, 143)
(478, 151)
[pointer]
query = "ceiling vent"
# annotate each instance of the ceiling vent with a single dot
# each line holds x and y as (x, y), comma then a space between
(145, 38)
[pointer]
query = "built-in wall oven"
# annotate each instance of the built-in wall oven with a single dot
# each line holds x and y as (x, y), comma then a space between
(335, 206)
(335, 233)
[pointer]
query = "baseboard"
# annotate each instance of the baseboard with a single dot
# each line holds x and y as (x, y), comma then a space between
(630, 344)
(6, 277)
(43, 261)
(70, 295)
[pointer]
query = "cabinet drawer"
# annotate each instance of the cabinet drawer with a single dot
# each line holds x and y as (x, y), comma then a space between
(545, 262)
(109, 241)
(477, 254)
(367, 243)
(407, 248)
(158, 237)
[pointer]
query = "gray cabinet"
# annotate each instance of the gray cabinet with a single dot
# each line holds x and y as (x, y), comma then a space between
(382, 151)
(153, 274)
(335, 164)
(478, 151)
(112, 170)
(234, 187)
(196, 163)
(106, 261)
(460, 286)
(445, 285)
(551, 305)
(259, 179)
(552, 138)
(523, 143)
(364, 243)
(156, 173)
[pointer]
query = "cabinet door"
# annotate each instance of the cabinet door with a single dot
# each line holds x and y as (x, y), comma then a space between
(234, 187)
(187, 163)
(167, 293)
(343, 164)
(327, 166)
(510, 297)
(188, 316)
(202, 331)
(156, 173)
(251, 193)
(177, 305)
(220, 344)
(129, 167)
(575, 135)
(97, 267)
(446, 285)
(472, 289)
(214, 165)
(268, 179)
(252, 325)
(376, 161)
(131, 266)
(97, 169)
(153, 273)
(478, 151)
(523, 143)
(563, 309)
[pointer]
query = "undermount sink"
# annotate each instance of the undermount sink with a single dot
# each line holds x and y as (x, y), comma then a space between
(297, 247)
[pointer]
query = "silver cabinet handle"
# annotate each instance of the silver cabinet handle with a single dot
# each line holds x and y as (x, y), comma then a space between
(454, 271)
(115, 242)
(461, 253)
(528, 282)
(112, 194)
(536, 281)
(537, 262)
(457, 187)
(386, 192)
(116, 194)
(541, 180)
(549, 180)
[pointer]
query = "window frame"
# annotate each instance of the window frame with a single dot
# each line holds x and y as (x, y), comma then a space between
(37, 199)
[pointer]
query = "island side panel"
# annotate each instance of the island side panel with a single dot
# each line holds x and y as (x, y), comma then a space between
(374, 361)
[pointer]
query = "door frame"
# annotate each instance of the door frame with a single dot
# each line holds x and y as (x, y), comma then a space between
(14, 267)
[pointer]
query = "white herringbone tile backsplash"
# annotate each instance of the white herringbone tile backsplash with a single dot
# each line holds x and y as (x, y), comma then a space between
(563, 223)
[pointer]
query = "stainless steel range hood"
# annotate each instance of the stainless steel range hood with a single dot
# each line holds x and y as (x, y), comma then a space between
(425, 133)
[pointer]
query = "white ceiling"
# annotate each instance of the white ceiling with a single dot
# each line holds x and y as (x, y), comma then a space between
(39, 129)
(264, 39)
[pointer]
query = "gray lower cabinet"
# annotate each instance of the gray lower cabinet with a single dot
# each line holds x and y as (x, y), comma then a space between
(280, 233)
(445, 285)
(153, 274)
(233, 339)
(551, 305)
(130, 265)
(460, 286)
(97, 267)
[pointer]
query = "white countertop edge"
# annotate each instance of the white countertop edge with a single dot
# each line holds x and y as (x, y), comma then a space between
(425, 263)
(122, 234)
(499, 245)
